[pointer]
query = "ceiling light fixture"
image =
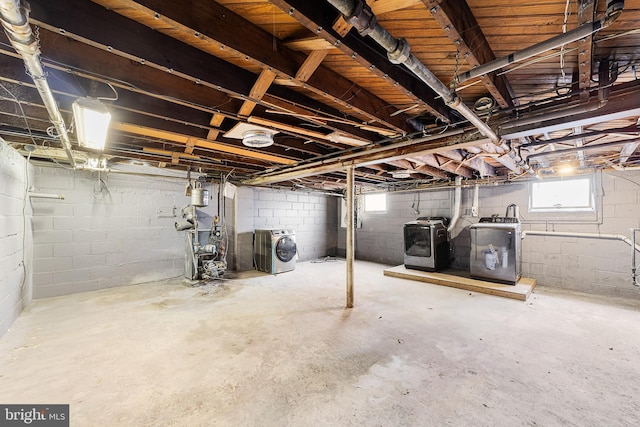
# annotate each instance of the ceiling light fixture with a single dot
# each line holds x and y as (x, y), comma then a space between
(92, 122)
(257, 138)
(401, 174)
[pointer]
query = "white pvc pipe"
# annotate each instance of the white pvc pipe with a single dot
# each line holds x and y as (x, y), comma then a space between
(620, 237)
(456, 203)
(476, 197)
(634, 274)
(46, 196)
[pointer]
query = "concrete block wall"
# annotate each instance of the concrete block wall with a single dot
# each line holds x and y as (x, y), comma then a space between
(588, 265)
(312, 216)
(380, 238)
(104, 237)
(16, 244)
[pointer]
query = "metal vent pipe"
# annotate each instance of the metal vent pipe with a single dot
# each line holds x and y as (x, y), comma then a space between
(360, 15)
(15, 19)
(614, 9)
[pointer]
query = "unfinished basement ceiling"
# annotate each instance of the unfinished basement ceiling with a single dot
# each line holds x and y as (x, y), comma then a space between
(178, 76)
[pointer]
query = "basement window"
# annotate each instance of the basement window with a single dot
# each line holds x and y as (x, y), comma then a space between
(375, 202)
(562, 195)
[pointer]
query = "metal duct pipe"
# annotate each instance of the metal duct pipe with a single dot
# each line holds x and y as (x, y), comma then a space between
(360, 15)
(614, 9)
(457, 196)
(15, 20)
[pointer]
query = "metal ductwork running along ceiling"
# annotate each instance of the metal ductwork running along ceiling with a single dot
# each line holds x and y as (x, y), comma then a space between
(292, 93)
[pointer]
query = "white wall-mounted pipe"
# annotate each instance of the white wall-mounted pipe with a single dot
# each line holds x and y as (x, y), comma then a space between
(634, 271)
(457, 196)
(620, 237)
(15, 19)
(476, 198)
(634, 247)
(46, 196)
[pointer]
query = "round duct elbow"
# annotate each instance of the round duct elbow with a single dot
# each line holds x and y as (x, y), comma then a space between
(257, 139)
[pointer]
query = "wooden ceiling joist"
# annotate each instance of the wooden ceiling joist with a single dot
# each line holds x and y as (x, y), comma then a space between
(380, 7)
(217, 26)
(319, 16)
(258, 90)
(586, 13)
(310, 64)
(198, 142)
(457, 21)
(434, 161)
(215, 84)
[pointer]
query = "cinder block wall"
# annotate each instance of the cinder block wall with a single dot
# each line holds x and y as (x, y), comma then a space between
(103, 237)
(16, 244)
(587, 265)
(312, 216)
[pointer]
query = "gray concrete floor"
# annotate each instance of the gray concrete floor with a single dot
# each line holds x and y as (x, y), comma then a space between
(281, 350)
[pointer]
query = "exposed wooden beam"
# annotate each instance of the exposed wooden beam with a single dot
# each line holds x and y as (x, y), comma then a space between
(170, 153)
(127, 58)
(216, 121)
(198, 142)
(288, 128)
(429, 145)
(623, 102)
(423, 169)
(433, 161)
(308, 44)
(380, 7)
(319, 17)
(457, 20)
(627, 151)
(473, 162)
(258, 90)
(218, 26)
(310, 64)
(586, 13)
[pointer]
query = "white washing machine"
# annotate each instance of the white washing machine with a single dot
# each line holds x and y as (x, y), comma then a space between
(274, 250)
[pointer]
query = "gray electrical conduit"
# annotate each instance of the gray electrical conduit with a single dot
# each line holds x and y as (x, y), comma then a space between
(614, 9)
(14, 17)
(620, 237)
(359, 14)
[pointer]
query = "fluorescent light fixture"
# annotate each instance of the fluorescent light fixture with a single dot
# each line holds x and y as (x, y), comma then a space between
(92, 122)
(257, 138)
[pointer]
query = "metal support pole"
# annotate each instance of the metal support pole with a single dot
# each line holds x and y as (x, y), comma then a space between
(634, 271)
(350, 234)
